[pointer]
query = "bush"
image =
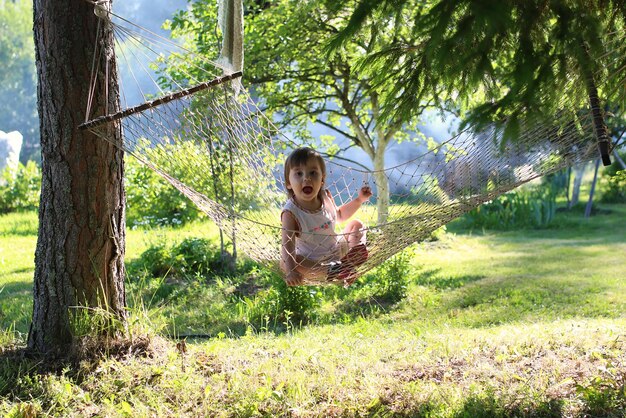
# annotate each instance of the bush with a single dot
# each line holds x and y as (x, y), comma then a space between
(614, 188)
(20, 188)
(192, 257)
(272, 305)
(388, 282)
(156, 261)
(373, 293)
(525, 208)
(279, 306)
(612, 184)
(150, 200)
(253, 295)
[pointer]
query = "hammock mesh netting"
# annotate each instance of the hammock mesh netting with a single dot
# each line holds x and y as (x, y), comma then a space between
(198, 126)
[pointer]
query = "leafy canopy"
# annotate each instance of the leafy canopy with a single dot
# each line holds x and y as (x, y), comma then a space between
(297, 81)
(497, 59)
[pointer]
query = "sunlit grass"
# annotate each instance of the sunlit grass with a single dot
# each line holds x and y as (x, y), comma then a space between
(21, 224)
(527, 276)
(521, 323)
(369, 368)
(18, 234)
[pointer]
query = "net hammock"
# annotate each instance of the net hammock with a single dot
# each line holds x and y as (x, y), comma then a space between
(195, 121)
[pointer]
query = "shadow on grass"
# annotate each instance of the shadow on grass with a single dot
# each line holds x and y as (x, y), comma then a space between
(21, 232)
(347, 311)
(258, 301)
(504, 300)
(609, 403)
(20, 224)
(9, 289)
(16, 303)
(22, 270)
(13, 366)
(214, 312)
(553, 274)
(433, 278)
(491, 406)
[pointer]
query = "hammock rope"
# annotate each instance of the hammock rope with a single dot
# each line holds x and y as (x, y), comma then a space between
(213, 134)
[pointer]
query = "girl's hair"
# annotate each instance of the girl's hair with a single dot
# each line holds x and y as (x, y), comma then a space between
(300, 156)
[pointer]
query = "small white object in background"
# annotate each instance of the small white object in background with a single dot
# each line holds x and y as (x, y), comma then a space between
(10, 147)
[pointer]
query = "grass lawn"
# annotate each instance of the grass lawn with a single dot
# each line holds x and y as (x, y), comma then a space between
(523, 323)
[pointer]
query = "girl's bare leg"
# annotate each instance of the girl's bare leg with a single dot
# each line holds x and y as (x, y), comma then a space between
(354, 233)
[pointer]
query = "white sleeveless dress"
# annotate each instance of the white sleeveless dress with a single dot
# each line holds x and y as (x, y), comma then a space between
(317, 239)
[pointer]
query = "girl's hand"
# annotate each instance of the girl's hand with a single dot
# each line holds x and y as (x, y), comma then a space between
(294, 278)
(364, 194)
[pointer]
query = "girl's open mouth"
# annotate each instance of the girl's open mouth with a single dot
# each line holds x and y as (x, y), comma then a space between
(307, 190)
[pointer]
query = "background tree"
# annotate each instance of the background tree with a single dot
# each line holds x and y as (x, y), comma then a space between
(300, 86)
(18, 94)
(79, 259)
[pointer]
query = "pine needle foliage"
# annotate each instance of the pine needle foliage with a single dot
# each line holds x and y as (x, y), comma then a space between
(492, 60)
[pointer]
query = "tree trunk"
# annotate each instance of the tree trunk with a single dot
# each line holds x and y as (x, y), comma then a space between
(578, 179)
(79, 259)
(382, 185)
(592, 191)
(567, 183)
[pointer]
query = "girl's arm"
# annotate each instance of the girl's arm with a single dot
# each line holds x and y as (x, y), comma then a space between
(345, 212)
(288, 249)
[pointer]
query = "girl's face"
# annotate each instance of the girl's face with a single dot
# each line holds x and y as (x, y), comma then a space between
(306, 181)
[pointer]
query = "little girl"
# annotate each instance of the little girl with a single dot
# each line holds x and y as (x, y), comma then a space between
(310, 246)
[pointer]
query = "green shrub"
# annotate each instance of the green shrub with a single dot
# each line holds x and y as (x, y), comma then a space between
(278, 306)
(525, 208)
(20, 188)
(613, 185)
(150, 200)
(200, 256)
(388, 282)
(372, 294)
(603, 396)
(156, 261)
(192, 257)
(254, 295)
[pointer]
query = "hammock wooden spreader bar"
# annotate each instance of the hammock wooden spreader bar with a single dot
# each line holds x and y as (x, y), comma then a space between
(161, 100)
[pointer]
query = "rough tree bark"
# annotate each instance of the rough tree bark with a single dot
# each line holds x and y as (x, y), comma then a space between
(79, 259)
